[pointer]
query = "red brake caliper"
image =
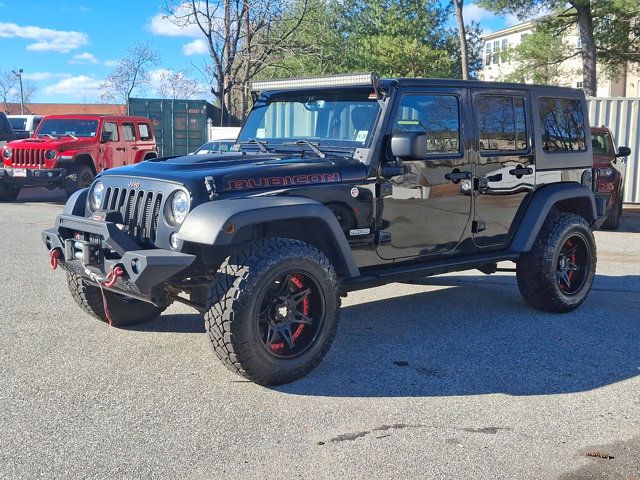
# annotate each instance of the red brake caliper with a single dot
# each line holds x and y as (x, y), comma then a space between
(572, 257)
(296, 280)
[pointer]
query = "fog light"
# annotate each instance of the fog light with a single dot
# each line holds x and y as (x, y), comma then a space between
(136, 266)
(173, 241)
(587, 178)
(49, 174)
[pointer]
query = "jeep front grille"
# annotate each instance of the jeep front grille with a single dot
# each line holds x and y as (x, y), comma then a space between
(27, 157)
(140, 210)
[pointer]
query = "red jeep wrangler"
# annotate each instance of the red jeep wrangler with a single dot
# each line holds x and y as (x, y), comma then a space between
(69, 150)
(610, 172)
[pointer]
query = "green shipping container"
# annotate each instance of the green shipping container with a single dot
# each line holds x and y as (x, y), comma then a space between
(180, 125)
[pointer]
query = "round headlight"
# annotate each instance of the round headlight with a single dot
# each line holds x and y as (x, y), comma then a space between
(179, 206)
(96, 196)
(50, 154)
(7, 153)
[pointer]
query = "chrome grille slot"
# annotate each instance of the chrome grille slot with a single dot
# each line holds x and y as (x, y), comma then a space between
(140, 210)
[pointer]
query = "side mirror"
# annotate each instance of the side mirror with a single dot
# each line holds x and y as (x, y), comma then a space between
(623, 152)
(106, 137)
(409, 145)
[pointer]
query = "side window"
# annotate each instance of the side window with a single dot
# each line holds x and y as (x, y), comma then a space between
(436, 115)
(501, 123)
(562, 125)
(128, 132)
(110, 132)
(145, 131)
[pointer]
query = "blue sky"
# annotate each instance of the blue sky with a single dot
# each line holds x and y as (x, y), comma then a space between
(66, 48)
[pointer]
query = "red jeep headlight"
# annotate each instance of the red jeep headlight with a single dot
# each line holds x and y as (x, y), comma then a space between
(6, 153)
(50, 154)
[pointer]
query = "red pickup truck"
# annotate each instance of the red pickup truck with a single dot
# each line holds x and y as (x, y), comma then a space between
(68, 151)
(610, 172)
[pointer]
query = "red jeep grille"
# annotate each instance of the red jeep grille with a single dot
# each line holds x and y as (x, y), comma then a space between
(140, 210)
(27, 157)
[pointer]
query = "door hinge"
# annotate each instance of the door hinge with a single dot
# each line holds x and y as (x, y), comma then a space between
(477, 227)
(384, 237)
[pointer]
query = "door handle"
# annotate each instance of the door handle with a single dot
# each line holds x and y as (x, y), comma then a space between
(456, 175)
(520, 171)
(134, 148)
(120, 149)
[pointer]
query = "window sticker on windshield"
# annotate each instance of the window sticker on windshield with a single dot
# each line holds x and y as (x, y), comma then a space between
(261, 133)
(362, 136)
(408, 122)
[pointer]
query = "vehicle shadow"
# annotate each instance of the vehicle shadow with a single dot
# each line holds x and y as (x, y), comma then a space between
(41, 195)
(474, 335)
(172, 323)
(629, 222)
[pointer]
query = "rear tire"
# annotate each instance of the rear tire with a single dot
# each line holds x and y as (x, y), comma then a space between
(78, 177)
(124, 311)
(557, 274)
(8, 193)
(613, 218)
(273, 310)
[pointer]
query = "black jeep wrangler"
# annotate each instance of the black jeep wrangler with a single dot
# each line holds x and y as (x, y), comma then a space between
(339, 184)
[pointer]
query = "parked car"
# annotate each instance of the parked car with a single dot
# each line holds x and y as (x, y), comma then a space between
(217, 146)
(24, 125)
(342, 183)
(68, 151)
(610, 165)
(6, 131)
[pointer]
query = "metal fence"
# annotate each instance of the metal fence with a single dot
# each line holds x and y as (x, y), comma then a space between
(622, 116)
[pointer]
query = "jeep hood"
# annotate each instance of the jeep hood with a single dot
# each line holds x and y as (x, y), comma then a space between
(61, 143)
(246, 171)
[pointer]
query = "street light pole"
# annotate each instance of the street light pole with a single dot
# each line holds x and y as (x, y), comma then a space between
(19, 75)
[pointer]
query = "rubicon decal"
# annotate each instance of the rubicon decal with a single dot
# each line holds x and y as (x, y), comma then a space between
(250, 183)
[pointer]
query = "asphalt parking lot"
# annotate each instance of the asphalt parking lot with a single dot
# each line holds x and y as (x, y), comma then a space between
(452, 378)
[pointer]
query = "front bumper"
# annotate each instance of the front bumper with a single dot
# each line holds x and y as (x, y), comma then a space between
(32, 177)
(147, 271)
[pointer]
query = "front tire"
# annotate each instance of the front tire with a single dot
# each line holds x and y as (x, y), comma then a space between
(124, 310)
(557, 274)
(78, 177)
(8, 193)
(273, 310)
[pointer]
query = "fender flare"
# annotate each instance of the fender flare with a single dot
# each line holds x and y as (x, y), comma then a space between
(541, 203)
(76, 203)
(205, 223)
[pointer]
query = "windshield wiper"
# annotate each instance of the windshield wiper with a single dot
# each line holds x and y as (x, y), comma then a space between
(312, 146)
(69, 135)
(46, 135)
(261, 144)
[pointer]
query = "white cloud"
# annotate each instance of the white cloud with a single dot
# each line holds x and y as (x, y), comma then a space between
(110, 63)
(83, 58)
(160, 24)
(39, 76)
(474, 13)
(45, 39)
(80, 87)
(196, 47)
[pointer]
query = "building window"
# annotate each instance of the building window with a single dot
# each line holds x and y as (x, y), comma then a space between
(487, 54)
(505, 42)
(578, 84)
(496, 51)
(562, 124)
(579, 43)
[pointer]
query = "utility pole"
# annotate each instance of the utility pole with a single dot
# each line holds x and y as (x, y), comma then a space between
(19, 75)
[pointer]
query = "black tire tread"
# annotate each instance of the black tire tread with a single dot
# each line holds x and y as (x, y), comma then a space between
(237, 273)
(537, 287)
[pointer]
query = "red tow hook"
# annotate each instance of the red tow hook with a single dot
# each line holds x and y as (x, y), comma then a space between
(54, 256)
(112, 276)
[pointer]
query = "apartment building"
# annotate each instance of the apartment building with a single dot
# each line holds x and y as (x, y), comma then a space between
(497, 66)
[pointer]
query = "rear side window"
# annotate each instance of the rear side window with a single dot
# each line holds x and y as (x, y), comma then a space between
(128, 132)
(562, 125)
(436, 115)
(501, 121)
(145, 131)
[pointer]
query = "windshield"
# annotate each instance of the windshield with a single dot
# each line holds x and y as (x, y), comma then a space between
(18, 123)
(60, 127)
(600, 142)
(326, 119)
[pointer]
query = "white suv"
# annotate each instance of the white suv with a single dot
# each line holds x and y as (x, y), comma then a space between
(24, 125)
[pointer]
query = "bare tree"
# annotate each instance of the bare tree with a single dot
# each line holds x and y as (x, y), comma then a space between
(241, 36)
(7, 87)
(462, 35)
(28, 92)
(130, 74)
(176, 84)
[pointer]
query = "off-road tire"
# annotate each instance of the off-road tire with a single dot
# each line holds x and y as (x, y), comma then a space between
(234, 300)
(78, 177)
(537, 270)
(124, 311)
(612, 221)
(8, 193)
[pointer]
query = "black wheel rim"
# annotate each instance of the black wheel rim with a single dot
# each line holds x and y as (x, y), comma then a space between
(86, 179)
(291, 314)
(573, 264)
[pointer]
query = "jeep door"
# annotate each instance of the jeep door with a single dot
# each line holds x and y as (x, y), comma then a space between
(425, 211)
(505, 168)
(110, 150)
(129, 143)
